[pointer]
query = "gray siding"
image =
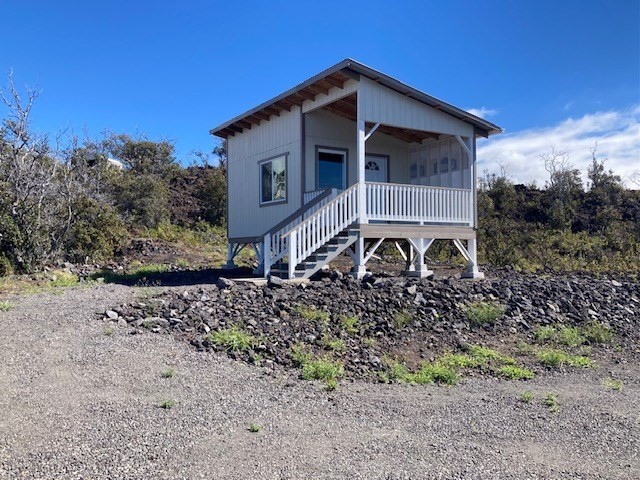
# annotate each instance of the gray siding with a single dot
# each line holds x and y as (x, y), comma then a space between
(381, 104)
(328, 130)
(277, 136)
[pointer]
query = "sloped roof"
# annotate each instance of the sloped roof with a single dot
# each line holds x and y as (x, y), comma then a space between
(336, 76)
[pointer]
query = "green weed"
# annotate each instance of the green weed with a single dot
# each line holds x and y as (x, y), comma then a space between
(485, 353)
(428, 373)
(351, 325)
(369, 342)
(254, 428)
(312, 314)
(64, 279)
(613, 384)
(595, 332)
(167, 404)
(513, 372)
(168, 373)
(557, 358)
(333, 344)
(322, 369)
(300, 354)
(6, 305)
(232, 339)
(480, 313)
(401, 319)
(526, 397)
(551, 401)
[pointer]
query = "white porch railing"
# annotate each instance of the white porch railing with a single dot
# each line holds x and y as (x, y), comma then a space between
(312, 233)
(328, 216)
(416, 203)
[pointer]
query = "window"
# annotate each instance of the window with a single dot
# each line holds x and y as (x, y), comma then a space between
(273, 180)
(444, 165)
(413, 170)
(332, 168)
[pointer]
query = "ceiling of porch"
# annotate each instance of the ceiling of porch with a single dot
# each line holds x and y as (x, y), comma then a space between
(347, 108)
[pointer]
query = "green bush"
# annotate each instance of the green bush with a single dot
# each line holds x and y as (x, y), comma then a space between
(97, 232)
(142, 199)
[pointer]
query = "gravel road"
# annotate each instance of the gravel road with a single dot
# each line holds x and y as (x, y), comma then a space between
(77, 403)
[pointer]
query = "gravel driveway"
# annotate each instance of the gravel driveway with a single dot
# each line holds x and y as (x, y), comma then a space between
(78, 403)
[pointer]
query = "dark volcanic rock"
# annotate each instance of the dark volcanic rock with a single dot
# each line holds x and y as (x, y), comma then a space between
(411, 319)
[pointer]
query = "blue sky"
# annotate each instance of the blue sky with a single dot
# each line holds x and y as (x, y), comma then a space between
(175, 69)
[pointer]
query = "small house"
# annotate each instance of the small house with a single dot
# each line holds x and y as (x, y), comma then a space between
(344, 161)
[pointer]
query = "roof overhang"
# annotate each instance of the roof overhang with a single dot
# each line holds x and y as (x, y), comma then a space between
(337, 76)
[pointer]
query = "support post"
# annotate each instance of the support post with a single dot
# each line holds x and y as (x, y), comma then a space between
(231, 254)
(293, 254)
(266, 255)
(359, 270)
(472, 267)
(419, 269)
(472, 182)
(360, 154)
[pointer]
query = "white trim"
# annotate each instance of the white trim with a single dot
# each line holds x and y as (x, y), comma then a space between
(371, 132)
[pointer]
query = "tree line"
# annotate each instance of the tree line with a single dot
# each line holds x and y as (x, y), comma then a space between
(564, 226)
(62, 198)
(67, 200)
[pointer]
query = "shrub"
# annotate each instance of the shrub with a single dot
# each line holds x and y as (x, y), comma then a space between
(142, 199)
(97, 231)
(6, 268)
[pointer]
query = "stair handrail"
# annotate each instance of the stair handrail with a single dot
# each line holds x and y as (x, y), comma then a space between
(274, 245)
(314, 231)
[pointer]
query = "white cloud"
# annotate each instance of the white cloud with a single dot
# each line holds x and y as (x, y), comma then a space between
(482, 112)
(617, 134)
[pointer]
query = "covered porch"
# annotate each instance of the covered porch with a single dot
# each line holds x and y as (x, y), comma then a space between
(427, 191)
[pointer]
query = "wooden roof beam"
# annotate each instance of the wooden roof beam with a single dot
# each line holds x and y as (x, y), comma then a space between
(261, 116)
(305, 95)
(244, 123)
(316, 88)
(271, 111)
(348, 110)
(332, 82)
(285, 104)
